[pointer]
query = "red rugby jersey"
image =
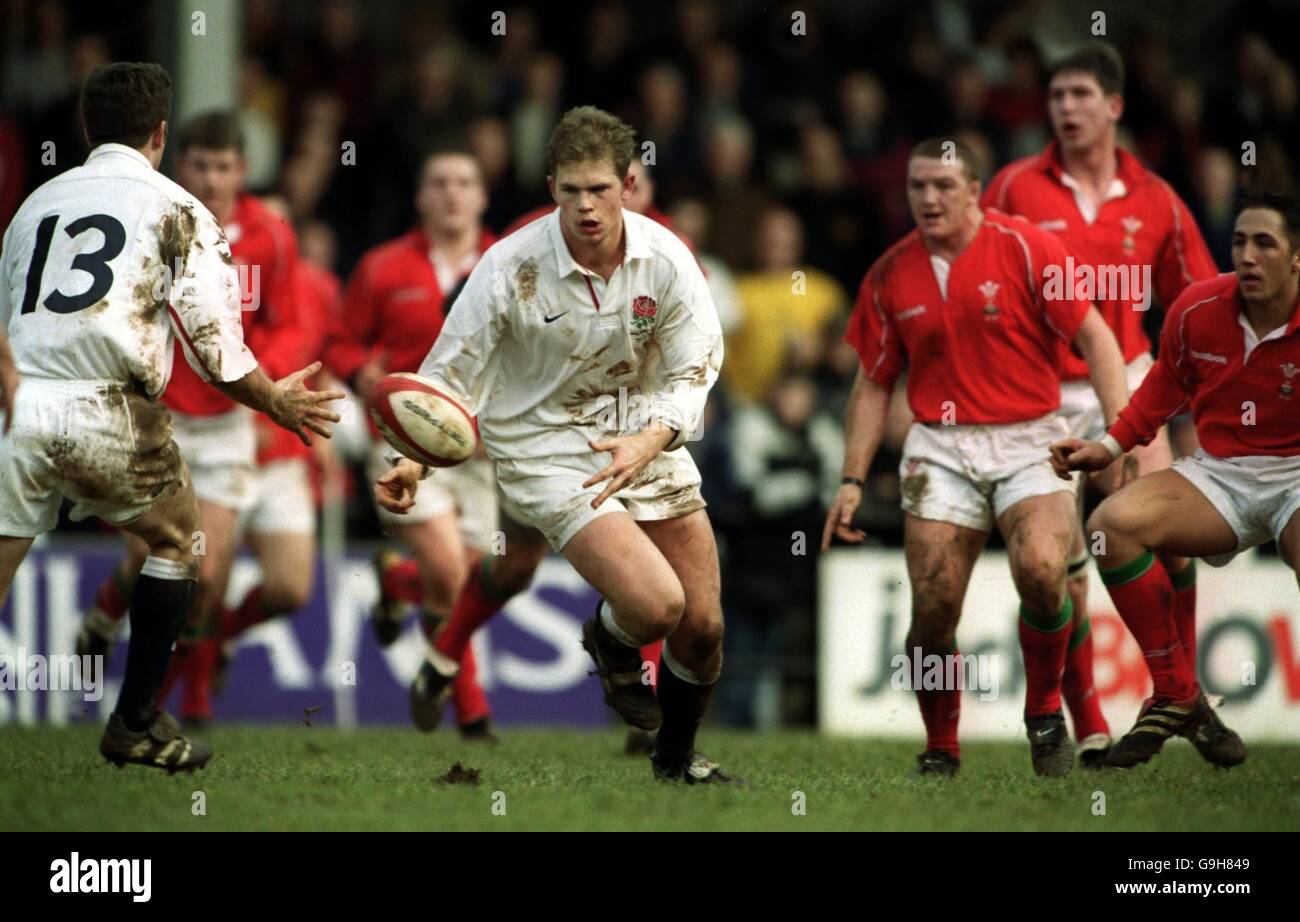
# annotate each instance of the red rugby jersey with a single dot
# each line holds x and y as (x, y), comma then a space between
(990, 346)
(317, 292)
(1242, 406)
(393, 304)
(265, 249)
(1149, 225)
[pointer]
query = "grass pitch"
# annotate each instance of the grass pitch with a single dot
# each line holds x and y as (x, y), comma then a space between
(315, 778)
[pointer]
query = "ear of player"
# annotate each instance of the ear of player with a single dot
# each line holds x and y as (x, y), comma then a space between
(421, 422)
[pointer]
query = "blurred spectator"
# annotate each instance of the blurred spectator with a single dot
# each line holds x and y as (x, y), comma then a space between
(665, 120)
(841, 239)
(786, 459)
(36, 69)
(734, 200)
(534, 117)
(488, 140)
(691, 219)
(1216, 189)
(785, 306)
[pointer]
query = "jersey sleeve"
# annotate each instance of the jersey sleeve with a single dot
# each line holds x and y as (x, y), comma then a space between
(873, 333)
(1183, 257)
(275, 333)
(1163, 392)
(461, 360)
(690, 341)
(352, 330)
(205, 303)
(1064, 312)
(6, 294)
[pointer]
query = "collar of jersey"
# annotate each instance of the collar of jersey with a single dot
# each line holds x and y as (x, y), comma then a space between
(638, 247)
(114, 148)
(1128, 169)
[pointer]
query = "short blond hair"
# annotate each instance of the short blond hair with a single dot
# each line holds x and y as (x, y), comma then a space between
(587, 133)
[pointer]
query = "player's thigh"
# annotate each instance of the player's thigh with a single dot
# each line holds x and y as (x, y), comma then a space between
(615, 556)
(288, 561)
(1039, 531)
(170, 529)
(1163, 511)
(217, 527)
(940, 557)
(438, 549)
(1289, 543)
(1154, 457)
(12, 552)
(688, 545)
(511, 567)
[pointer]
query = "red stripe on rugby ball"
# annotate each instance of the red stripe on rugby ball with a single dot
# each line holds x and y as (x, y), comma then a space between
(381, 411)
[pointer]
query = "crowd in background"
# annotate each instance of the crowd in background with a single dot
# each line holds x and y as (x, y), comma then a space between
(779, 151)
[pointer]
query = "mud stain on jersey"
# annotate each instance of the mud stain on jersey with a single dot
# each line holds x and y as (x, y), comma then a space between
(620, 369)
(526, 280)
(178, 234)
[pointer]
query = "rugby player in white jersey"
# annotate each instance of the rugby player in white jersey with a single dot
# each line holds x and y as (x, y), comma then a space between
(102, 266)
(586, 344)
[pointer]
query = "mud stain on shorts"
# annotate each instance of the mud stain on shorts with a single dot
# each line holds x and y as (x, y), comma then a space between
(915, 485)
(130, 461)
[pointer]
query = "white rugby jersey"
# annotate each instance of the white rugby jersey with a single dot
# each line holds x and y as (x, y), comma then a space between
(549, 356)
(103, 264)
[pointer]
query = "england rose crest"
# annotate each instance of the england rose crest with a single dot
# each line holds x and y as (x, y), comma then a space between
(643, 312)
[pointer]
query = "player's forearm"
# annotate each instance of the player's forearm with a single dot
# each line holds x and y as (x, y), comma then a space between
(864, 425)
(1106, 371)
(254, 390)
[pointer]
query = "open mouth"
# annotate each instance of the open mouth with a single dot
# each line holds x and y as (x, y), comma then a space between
(589, 226)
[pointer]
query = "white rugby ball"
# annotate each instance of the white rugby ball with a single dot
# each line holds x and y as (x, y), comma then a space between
(421, 422)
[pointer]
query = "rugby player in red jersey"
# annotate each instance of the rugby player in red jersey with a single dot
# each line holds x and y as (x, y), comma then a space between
(395, 307)
(1229, 350)
(1125, 225)
(961, 301)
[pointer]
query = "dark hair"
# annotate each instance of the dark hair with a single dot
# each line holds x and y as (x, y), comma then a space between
(215, 130)
(1099, 59)
(1285, 204)
(588, 133)
(123, 103)
(947, 149)
(450, 150)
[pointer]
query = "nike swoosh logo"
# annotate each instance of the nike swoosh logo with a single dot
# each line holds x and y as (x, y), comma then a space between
(556, 317)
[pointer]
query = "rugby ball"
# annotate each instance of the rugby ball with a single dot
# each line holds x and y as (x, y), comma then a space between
(421, 422)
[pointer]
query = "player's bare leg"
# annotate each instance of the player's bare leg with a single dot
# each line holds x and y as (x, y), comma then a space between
(288, 564)
(491, 582)
(692, 653)
(1161, 512)
(12, 551)
(642, 602)
(1038, 532)
(138, 732)
(940, 558)
(440, 559)
(1289, 545)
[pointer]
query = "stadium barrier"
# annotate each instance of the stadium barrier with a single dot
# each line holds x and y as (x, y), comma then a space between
(1248, 636)
(325, 657)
